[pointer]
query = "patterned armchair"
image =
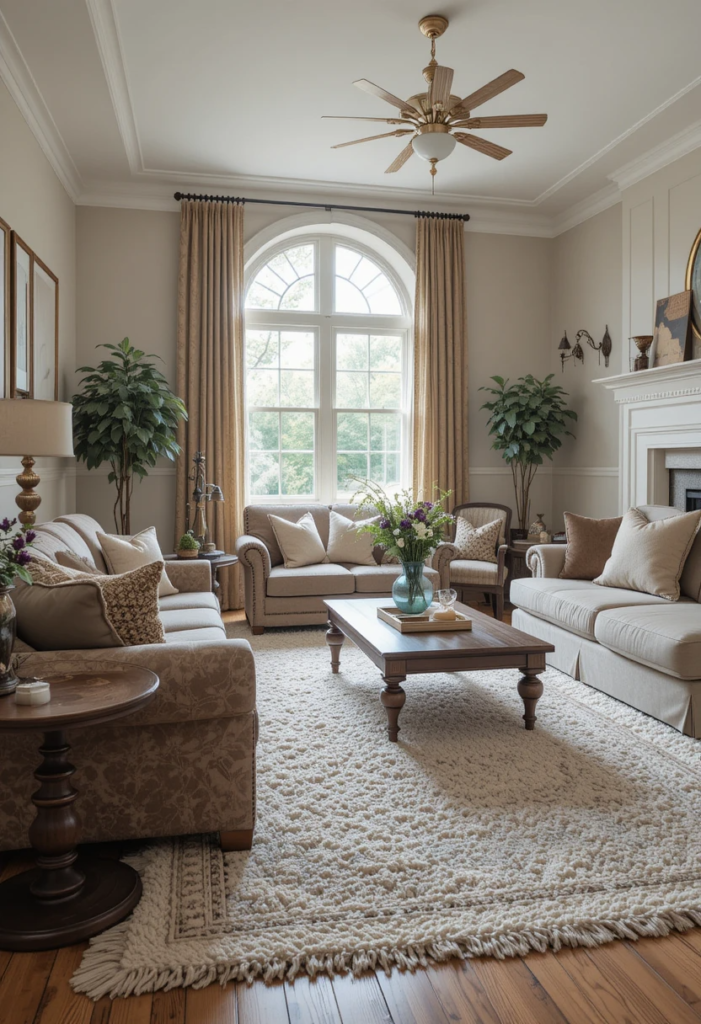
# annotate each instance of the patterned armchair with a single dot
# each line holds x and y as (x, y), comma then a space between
(471, 578)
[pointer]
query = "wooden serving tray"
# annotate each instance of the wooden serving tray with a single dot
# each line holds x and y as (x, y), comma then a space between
(422, 623)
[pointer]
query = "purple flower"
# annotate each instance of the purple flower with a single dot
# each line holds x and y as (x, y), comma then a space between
(30, 536)
(420, 515)
(428, 505)
(385, 524)
(405, 524)
(7, 524)
(18, 543)
(23, 557)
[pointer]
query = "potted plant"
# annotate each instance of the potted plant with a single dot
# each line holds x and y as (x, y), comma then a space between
(188, 546)
(527, 421)
(126, 415)
(14, 558)
(410, 531)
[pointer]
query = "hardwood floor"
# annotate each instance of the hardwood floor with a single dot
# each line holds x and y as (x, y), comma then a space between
(652, 981)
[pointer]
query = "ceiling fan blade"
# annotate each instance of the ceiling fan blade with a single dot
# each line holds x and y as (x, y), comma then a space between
(483, 145)
(376, 90)
(352, 117)
(439, 89)
(504, 121)
(399, 161)
(371, 138)
(490, 90)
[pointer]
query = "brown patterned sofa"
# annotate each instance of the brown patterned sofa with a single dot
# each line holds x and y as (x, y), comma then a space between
(184, 764)
(276, 596)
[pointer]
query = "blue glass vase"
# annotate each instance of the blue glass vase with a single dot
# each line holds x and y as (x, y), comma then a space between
(412, 592)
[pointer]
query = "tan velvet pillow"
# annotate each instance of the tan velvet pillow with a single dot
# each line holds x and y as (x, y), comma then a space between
(589, 546)
(649, 556)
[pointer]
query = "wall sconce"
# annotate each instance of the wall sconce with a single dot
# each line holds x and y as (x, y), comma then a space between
(603, 348)
(201, 494)
(567, 352)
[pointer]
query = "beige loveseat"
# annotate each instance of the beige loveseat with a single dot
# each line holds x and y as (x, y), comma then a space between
(643, 650)
(186, 762)
(276, 596)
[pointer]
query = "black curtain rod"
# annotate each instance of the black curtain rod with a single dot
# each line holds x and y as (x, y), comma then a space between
(322, 206)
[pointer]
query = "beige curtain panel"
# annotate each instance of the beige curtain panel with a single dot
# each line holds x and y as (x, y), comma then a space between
(440, 360)
(210, 369)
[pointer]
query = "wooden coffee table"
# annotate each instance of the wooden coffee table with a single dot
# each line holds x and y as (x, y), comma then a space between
(489, 644)
(65, 899)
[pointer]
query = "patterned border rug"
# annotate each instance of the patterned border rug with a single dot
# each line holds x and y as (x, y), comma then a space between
(469, 837)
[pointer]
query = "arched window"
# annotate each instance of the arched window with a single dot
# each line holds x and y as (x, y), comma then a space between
(327, 371)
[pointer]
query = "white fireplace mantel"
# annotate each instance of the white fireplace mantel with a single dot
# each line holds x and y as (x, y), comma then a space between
(659, 411)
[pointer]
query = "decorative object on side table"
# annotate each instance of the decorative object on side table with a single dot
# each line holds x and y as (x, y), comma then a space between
(527, 421)
(14, 558)
(126, 415)
(188, 546)
(408, 530)
(28, 428)
(201, 494)
(537, 527)
(66, 899)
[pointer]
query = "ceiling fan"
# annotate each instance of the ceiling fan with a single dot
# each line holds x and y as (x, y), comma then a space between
(437, 119)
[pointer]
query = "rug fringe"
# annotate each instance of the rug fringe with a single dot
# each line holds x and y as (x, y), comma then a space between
(101, 972)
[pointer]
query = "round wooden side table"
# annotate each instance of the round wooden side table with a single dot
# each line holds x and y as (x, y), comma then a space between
(67, 898)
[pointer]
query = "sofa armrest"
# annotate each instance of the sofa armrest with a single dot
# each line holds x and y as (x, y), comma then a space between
(546, 560)
(254, 558)
(198, 680)
(502, 552)
(190, 577)
(253, 554)
(440, 561)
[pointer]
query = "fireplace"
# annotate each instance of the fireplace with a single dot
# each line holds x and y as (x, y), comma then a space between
(693, 500)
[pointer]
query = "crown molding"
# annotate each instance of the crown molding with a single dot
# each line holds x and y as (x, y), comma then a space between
(20, 83)
(655, 159)
(602, 200)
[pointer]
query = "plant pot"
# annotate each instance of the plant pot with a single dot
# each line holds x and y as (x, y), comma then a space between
(188, 553)
(518, 534)
(412, 592)
(8, 632)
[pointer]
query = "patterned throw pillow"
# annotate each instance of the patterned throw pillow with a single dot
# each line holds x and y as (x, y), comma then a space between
(477, 544)
(130, 599)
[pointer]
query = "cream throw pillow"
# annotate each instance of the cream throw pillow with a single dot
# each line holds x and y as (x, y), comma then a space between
(478, 544)
(347, 543)
(649, 556)
(299, 542)
(122, 554)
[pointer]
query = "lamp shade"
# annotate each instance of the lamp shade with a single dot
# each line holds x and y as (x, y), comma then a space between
(32, 427)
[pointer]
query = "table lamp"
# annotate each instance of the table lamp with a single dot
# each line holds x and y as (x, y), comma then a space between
(28, 428)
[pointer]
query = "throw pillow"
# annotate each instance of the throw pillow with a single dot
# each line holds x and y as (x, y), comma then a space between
(125, 553)
(299, 542)
(79, 562)
(347, 543)
(589, 546)
(477, 543)
(69, 610)
(649, 556)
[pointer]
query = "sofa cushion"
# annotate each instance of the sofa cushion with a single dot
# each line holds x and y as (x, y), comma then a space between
(574, 604)
(122, 554)
(665, 638)
(310, 581)
(589, 545)
(54, 537)
(189, 618)
(348, 541)
(257, 524)
(299, 542)
(470, 572)
(378, 579)
(87, 529)
(199, 599)
(205, 635)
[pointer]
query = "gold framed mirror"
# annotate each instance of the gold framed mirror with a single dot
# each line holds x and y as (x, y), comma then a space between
(692, 282)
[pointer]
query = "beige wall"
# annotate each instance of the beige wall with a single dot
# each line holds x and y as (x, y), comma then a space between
(34, 203)
(586, 293)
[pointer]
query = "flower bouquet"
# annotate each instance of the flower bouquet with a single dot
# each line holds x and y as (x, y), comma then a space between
(14, 558)
(408, 530)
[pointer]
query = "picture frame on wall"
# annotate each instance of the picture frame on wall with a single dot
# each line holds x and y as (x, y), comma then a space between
(44, 332)
(5, 234)
(21, 319)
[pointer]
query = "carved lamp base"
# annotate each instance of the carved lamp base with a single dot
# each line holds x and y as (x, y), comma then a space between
(28, 500)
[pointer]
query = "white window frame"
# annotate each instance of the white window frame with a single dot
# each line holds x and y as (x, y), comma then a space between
(325, 324)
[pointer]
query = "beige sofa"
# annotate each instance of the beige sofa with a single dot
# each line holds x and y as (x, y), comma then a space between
(643, 650)
(276, 596)
(186, 762)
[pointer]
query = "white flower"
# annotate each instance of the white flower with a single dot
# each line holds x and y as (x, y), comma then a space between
(429, 533)
(396, 532)
(400, 543)
(420, 529)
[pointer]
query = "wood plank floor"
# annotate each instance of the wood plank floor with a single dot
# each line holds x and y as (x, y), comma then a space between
(653, 981)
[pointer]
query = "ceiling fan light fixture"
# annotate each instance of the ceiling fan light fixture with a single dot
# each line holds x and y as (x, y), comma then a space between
(433, 145)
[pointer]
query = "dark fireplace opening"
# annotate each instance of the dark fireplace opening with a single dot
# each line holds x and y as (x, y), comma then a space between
(693, 500)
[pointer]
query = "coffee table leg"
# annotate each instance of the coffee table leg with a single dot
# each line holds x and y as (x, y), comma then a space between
(335, 638)
(530, 689)
(393, 697)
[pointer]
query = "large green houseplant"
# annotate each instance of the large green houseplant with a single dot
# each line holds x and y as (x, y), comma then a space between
(527, 421)
(125, 414)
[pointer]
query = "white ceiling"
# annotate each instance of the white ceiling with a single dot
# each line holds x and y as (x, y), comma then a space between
(139, 94)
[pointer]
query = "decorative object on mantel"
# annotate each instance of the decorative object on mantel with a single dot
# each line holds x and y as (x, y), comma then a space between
(673, 329)
(14, 558)
(603, 348)
(202, 492)
(30, 427)
(188, 546)
(642, 343)
(125, 415)
(692, 281)
(527, 421)
(567, 352)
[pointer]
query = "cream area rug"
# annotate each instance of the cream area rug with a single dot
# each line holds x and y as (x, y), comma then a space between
(469, 837)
